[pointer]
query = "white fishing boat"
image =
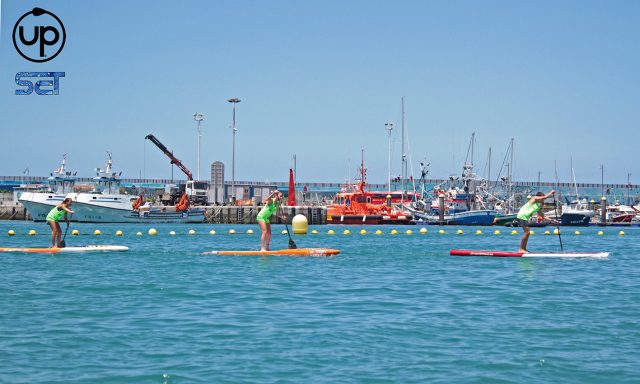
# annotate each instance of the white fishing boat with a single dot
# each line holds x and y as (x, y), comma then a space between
(60, 185)
(105, 204)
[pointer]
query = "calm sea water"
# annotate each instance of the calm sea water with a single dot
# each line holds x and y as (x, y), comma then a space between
(389, 308)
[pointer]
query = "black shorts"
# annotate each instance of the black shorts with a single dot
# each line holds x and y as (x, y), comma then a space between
(523, 223)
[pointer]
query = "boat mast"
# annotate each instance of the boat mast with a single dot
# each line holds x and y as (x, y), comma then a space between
(404, 155)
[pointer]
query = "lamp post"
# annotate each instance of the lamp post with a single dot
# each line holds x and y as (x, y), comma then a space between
(389, 128)
(233, 101)
(602, 178)
(198, 117)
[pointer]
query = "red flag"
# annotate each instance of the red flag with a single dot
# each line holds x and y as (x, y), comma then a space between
(291, 201)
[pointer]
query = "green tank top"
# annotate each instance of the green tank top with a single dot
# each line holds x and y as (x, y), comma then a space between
(56, 214)
(528, 210)
(267, 211)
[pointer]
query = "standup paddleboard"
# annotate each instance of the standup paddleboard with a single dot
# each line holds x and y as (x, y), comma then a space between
(85, 248)
(467, 252)
(280, 252)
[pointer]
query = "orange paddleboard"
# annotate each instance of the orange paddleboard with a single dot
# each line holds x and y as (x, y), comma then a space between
(280, 252)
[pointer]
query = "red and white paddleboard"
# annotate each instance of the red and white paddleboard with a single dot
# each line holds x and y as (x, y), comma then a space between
(469, 252)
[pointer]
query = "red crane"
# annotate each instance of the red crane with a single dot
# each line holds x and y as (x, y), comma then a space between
(174, 160)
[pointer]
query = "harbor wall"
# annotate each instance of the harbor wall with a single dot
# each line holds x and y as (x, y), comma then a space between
(10, 210)
(248, 214)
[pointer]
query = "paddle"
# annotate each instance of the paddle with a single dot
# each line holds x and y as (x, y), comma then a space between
(292, 244)
(62, 242)
(555, 205)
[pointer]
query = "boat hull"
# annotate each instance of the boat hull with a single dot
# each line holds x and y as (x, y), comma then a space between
(574, 219)
(369, 220)
(87, 213)
(39, 204)
(478, 217)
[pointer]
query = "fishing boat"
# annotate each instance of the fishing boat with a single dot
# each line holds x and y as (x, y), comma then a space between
(576, 213)
(60, 185)
(354, 205)
(460, 205)
(105, 204)
(619, 214)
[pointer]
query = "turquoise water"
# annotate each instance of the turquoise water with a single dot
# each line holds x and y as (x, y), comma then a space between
(389, 308)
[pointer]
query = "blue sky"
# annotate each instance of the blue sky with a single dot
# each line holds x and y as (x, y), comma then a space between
(321, 79)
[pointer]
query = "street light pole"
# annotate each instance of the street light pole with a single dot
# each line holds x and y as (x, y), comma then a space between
(233, 101)
(389, 128)
(198, 117)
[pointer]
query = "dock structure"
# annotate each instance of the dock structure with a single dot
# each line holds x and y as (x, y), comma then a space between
(248, 214)
(13, 212)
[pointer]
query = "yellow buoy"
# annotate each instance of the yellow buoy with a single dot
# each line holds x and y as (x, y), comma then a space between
(330, 232)
(346, 232)
(394, 232)
(621, 233)
(478, 232)
(378, 232)
(118, 233)
(496, 232)
(232, 231)
(212, 232)
(97, 232)
(532, 232)
(172, 233)
(459, 232)
(284, 232)
(600, 233)
(363, 232)
(514, 232)
(423, 230)
(11, 232)
(314, 232)
(556, 231)
(577, 232)
(32, 232)
(192, 232)
(139, 234)
(547, 232)
(441, 231)
(152, 231)
(299, 224)
(408, 232)
(249, 231)
(75, 232)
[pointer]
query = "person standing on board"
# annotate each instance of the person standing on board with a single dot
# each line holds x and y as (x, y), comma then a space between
(526, 212)
(56, 214)
(271, 205)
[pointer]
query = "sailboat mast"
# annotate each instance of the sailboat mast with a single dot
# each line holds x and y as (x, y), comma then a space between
(489, 172)
(404, 155)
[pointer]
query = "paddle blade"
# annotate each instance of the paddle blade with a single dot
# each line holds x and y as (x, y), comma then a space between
(292, 244)
(62, 243)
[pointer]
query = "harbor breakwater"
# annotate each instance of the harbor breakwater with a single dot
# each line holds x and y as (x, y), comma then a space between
(247, 214)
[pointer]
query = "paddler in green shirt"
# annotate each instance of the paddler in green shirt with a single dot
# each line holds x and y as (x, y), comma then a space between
(526, 212)
(271, 204)
(56, 214)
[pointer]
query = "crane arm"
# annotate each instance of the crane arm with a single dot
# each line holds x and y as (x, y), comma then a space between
(166, 151)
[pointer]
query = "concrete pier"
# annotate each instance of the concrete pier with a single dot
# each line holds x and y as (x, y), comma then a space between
(13, 211)
(247, 214)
